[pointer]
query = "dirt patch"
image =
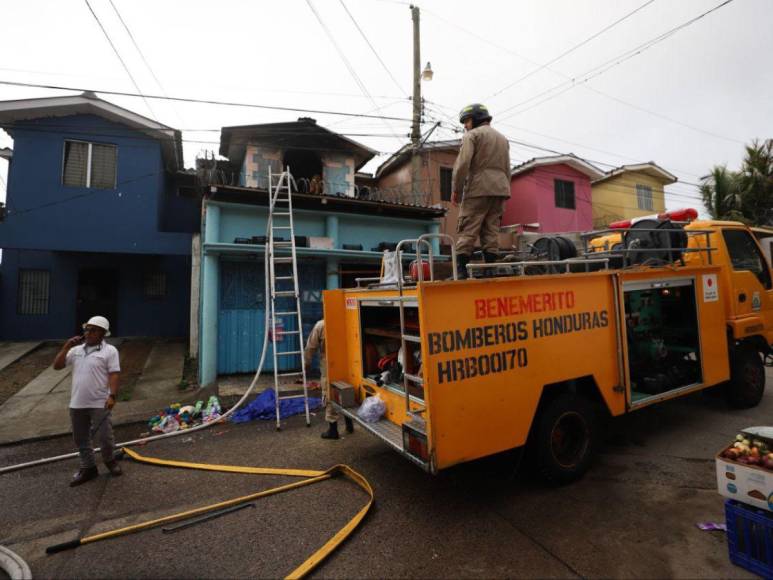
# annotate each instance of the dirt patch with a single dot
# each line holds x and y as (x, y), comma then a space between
(134, 354)
(15, 376)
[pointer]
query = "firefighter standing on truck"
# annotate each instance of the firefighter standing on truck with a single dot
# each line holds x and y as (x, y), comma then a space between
(316, 343)
(482, 176)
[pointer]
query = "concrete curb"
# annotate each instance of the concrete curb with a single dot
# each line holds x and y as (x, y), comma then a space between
(137, 417)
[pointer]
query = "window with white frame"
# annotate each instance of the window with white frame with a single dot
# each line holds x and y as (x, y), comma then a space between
(644, 197)
(89, 165)
(33, 291)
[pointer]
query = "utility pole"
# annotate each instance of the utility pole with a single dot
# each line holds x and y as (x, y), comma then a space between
(416, 125)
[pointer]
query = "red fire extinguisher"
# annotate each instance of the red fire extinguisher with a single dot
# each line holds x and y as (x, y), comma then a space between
(414, 270)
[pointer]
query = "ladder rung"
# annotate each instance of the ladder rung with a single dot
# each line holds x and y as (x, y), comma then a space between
(296, 373)
(283, 243)
(414, 379)
(411, 338)
(285, 293)
(283, 332)
(286, 313)
(283, 260)
(284, 277)
(288, 353)
(282, 227)
(290, 397)
(280, 213)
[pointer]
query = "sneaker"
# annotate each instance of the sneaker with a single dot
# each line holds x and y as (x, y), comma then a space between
(84, 475)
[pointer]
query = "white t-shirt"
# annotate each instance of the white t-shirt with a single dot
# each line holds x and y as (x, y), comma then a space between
(90, 367)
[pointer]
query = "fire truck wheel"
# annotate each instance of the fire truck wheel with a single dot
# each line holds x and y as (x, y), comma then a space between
(747, 378)
(566, 438)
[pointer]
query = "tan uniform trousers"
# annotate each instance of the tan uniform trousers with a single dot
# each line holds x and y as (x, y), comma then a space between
(331, 416)
(479, 216)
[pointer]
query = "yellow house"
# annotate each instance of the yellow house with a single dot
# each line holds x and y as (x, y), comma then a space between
(629, 191)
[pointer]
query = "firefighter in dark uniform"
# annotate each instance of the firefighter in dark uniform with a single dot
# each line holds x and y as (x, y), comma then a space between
(481, 182)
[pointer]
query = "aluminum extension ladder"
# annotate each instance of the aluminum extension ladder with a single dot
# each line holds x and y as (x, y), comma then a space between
(283, 284)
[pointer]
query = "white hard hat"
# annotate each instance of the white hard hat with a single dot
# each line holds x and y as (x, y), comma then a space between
(99, 321)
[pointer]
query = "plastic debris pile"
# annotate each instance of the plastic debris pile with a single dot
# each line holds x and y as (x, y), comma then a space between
(176, 416)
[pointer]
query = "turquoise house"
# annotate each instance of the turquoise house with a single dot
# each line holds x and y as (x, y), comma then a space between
(339, 238)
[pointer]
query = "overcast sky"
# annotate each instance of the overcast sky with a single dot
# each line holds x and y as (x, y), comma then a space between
(687, 102)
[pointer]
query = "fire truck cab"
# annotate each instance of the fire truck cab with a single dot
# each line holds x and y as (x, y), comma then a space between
(537, 352)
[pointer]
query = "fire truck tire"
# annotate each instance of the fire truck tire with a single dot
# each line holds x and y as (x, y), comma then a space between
(747, 378)
(566, 438)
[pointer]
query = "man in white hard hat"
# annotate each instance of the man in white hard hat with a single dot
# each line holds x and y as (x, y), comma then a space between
(95, 373)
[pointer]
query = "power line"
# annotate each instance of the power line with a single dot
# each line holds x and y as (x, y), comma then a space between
(611, 63)
(572, 49)
(118, 54)
(137, 46)
(212, 85)
(202, 101)
(346, 62)
(142, 54)
(635, 160)
(534, 146)
(595, 90)
(373, 50)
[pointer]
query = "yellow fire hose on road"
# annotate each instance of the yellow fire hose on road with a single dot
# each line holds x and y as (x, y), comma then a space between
(311, 476)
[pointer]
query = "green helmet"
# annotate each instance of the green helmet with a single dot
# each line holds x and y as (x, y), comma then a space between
(477, 112)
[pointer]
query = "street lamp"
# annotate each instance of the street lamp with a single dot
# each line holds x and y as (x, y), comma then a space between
(427, 73)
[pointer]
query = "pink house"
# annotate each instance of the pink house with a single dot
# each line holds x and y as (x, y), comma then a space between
(553, 192)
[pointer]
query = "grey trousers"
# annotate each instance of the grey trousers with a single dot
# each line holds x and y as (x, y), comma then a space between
(83, 422)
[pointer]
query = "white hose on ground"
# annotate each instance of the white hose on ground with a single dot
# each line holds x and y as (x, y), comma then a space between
(223, 417)
(14, 565)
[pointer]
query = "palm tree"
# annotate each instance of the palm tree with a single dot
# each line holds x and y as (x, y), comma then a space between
(719, 190)
(756, 182)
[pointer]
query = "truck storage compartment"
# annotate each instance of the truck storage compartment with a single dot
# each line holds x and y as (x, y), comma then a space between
(383, 358)
(664, 350)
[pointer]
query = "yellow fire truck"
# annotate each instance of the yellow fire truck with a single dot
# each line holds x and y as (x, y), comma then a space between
(536, 352)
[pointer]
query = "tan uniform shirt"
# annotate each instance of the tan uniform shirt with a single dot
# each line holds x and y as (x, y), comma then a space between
(316, 343)
(482, 167)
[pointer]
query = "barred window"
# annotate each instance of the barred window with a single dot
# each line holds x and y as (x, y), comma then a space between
(564, 191)
(155, 285)
(33, 292)
(446, 176)
(644, 197)
(89, 165)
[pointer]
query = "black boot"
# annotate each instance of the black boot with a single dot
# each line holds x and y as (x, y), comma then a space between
(84, 475)
(461, 266)
(349, 425)
(490, 258)
(332, 431)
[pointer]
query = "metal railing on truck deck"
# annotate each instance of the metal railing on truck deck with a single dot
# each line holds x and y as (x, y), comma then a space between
(673, 252)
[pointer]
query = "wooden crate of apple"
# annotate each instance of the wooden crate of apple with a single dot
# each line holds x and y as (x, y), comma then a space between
(749, 451)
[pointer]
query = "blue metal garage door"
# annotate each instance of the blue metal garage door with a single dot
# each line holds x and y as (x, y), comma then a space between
(241, 315)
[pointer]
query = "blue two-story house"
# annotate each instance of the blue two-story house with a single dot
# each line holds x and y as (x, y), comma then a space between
(94, 222)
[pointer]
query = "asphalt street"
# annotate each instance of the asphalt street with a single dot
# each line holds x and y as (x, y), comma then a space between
(633, 515)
